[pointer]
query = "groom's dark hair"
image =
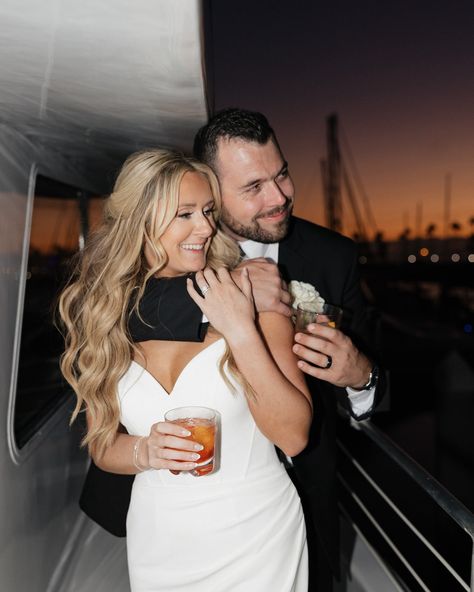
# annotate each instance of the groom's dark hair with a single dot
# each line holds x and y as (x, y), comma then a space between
(231, 124)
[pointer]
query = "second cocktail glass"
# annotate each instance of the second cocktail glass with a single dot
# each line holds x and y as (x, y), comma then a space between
(310, 312)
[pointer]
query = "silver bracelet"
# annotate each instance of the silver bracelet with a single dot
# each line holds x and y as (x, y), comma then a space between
(136, 449)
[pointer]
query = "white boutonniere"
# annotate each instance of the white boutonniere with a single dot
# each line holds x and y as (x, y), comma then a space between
(303, 292)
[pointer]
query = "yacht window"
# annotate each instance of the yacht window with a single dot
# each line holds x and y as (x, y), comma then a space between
(60, 219)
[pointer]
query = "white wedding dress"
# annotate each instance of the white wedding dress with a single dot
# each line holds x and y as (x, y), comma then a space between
(240, 529)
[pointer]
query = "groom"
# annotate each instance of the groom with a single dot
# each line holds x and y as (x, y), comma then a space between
(258, 195)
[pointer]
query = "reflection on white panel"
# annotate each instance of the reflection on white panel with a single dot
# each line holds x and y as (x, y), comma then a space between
(94, 560)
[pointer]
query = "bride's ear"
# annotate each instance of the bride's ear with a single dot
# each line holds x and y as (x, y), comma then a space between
(151, 250)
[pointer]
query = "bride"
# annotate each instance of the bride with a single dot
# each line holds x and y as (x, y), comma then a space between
(241, 527)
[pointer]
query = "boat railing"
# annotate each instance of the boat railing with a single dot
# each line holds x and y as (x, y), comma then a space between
(421, 532)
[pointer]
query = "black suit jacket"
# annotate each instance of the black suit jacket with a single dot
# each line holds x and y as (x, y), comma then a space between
(327, 260)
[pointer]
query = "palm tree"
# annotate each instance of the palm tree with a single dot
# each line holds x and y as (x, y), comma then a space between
(430, 230)
(456, 227)
(405, 234)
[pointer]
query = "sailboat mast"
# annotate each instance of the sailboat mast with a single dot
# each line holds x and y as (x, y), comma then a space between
(333, 177)
(447, 204)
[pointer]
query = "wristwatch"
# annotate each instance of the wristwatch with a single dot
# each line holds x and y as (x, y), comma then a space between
(372, 382)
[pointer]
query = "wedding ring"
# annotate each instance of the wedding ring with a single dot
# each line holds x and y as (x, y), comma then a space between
(328, 363)
(204, 288)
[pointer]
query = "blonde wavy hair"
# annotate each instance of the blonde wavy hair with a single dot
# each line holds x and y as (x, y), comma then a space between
(110, 277)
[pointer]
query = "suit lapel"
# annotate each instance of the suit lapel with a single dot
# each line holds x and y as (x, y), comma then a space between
(290, 260)
(299, 260)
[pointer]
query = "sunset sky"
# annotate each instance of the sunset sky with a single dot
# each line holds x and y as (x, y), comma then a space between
(400, 76)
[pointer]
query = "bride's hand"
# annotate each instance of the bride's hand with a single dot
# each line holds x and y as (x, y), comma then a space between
(167, 448)
(230, 309)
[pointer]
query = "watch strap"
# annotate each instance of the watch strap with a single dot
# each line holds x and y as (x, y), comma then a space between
(372, 381)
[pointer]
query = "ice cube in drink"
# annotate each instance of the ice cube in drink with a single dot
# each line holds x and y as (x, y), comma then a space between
(202, 423)
(203, 431)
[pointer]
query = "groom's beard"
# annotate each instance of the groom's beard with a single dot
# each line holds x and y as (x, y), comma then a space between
(256, 232)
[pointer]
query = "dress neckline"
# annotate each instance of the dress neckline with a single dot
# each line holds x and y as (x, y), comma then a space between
(183, 371)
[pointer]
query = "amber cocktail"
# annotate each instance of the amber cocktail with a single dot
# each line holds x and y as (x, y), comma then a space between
(312, 312)
(202, 423)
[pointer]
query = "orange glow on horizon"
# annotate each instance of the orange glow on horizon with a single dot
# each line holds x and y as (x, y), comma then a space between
(411, 198)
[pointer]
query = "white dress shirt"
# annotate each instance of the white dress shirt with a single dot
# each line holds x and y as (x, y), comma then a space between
(361, 401)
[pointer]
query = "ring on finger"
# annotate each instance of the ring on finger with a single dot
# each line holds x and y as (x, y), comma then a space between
(328, 363)
(204, 288)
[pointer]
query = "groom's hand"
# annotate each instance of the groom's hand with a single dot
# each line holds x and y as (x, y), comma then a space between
(269, 290)
(330, 355)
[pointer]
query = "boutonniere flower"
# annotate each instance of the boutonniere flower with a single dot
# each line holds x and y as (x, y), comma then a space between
(303, 292)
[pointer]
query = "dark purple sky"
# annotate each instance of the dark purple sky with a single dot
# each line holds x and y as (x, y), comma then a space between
(400, 75)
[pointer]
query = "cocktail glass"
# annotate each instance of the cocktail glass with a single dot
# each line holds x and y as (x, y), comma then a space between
(202, 423)
(322, 314)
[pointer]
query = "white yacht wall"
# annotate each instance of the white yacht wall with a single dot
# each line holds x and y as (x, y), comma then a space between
(40, 483)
